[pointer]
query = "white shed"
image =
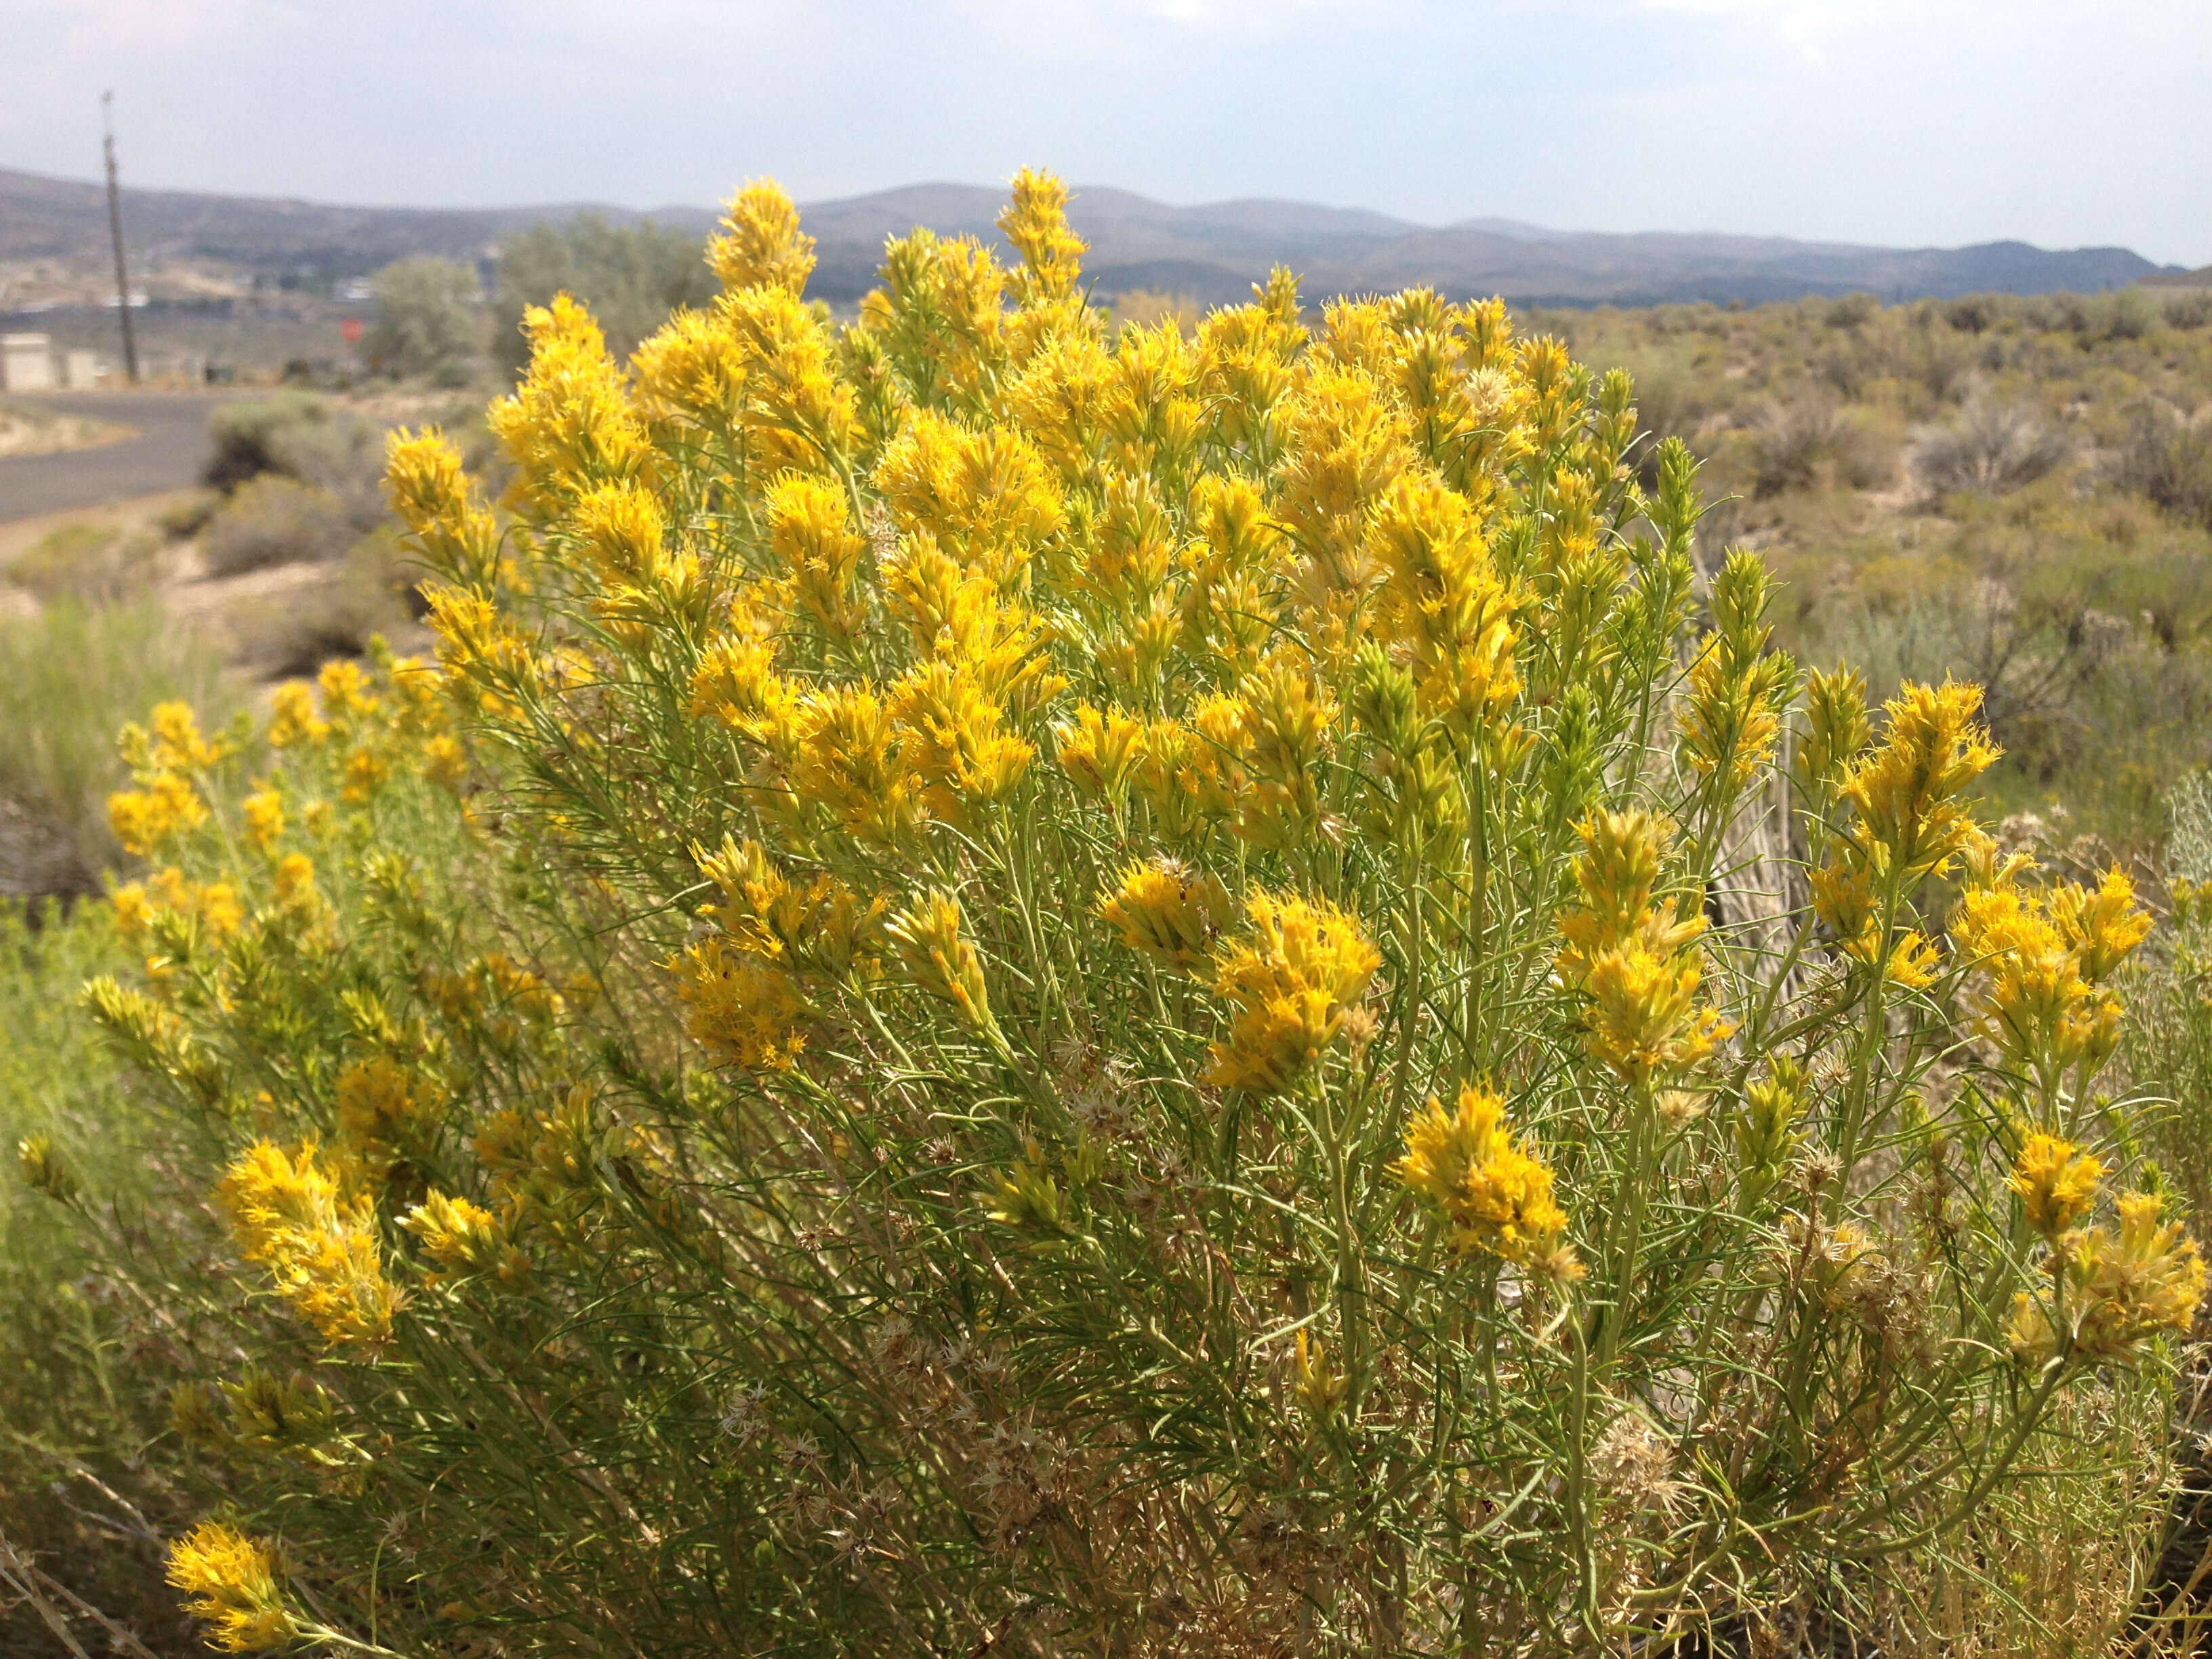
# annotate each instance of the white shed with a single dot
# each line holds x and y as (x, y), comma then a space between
(26, 363)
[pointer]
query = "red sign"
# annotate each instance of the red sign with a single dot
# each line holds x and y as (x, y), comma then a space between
(351, 329)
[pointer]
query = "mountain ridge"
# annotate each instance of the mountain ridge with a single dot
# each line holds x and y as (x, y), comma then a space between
(1212, 252)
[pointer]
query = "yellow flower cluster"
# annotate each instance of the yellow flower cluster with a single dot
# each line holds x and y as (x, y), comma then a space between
(212, 909)
(2043, 961)
(291, 1217)
(2056, 1184)
(745, 988)
(1495, 1191)
(941, 959)
(463, 1236)
(1168, 911)
(2112, 1288)
(230, 1582)
(1736, 688)
(1910, 818)
(1637, 965)
(1294, 982)
(164, 764)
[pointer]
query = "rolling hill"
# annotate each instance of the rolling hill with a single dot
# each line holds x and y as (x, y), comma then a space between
(1212, 252)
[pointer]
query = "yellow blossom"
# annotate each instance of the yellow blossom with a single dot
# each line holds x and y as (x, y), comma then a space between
(1495, 1191)
(294, 881)
(1167, 910)
(230, 1582)
(2118, 1287)
(1097, 750)
(290, 1217)
(810, 531)
(148, 818)
(1908, 790)
(747, 1011)
(431, 497)
(293, 718)
(1035, 223)
(570, 424)
(1293, 982)
(987, 497)
(932, 943)
(2056, 1184)
(760, 243)
(463, 1236)
(264, 818)
(1638, 965)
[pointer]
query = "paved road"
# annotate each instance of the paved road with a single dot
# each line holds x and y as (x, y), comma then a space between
(169, 449)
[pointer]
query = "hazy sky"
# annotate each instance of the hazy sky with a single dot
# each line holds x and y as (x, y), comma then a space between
(1893, 121)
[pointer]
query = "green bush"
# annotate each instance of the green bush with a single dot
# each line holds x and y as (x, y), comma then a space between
(1020, 993)
(272, 520)
(93, 562)
(69, 678)
(427, 326)
(632, 276)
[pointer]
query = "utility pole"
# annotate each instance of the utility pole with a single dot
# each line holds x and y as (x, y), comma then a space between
(115, 228)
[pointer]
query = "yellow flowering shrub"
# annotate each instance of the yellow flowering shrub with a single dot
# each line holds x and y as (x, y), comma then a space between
(1022, 985)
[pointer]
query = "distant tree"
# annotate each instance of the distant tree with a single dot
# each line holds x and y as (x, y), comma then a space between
(426, 324)
(630, 275)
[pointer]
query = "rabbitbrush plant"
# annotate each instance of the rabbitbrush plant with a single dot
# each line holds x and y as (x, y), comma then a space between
(1023, 989)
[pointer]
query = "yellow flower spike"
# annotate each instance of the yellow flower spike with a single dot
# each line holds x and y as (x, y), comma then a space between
(928, 934)
(1098, 750)
(819, 927)
(691, 373)
(230, 1582)
(387, 1111)
(2123, 1286)
(345, 693)
(1319, 1386)
(177, 746)
(856, 761)
(1913, 962)
(1344, 446)
(1638, 965)
(2101, 928)
(1836, 729)
(960, 745)
(147, 820)
(820, 553)
(459, 1235)
(570, 424)
(1035, 223)
(2034, 1001)
(263, 811)
(2056, 1184)
(746, 1010)
(1059, 400)
(288, 1216)
(1616, 874)
(1495, 1191)
(1843, 902)
(988, 497)
(760, 243)
(292, 719)
(132, 909)
(622, 526)
(1908, 790)
(1168, 911)
(796, 412)
(366, 772)
(433, 497)
(293, 883)
(1293, 982)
